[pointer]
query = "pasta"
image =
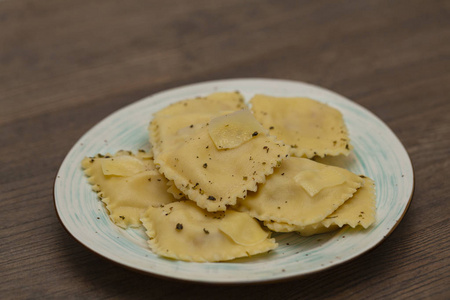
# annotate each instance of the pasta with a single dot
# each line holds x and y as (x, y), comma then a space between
(205, 174)
(184, 231)
(310, 127)
(221, 177)
(131, 184)
(285, 199)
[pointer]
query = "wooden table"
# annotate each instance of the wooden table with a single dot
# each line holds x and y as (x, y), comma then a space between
(65, 65)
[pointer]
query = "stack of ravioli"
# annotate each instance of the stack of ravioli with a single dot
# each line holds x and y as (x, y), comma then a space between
(221, 177)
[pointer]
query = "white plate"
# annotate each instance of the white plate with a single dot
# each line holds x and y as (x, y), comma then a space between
(377, 153)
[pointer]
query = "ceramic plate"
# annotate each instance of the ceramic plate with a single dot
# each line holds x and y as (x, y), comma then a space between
(377, 154)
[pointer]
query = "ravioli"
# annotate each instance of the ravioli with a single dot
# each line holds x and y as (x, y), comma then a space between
(357, 211)
(130, 186)
(309, 127)
(284, 199)
(166, 130)
(183, 231)
(215, 178)
(176, 116)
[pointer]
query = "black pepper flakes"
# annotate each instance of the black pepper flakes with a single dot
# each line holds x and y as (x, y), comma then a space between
(122, 217)
(205, 231)
(205, 165)
(212, 198)
(179, 226)
(255, 133)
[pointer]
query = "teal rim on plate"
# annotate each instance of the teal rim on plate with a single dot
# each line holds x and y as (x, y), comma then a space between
(377, 154)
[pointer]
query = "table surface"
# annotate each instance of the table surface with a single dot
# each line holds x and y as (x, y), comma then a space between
(65, 65)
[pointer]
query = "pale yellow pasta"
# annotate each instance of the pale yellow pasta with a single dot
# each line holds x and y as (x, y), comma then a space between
(163, 130)
(310, 127)
(359, 210)
(127, 190)
(284, 199)
(215, 178)
(169, 120)
(183, 231)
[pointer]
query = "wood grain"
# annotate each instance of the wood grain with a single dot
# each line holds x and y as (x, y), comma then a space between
(65, 65)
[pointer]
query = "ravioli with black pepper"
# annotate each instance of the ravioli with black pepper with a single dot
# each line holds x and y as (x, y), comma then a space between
(169, 120)
(214, 178)
(359, 210)
(128, 184)
(183, 231)
(311, 128)
(292, 194)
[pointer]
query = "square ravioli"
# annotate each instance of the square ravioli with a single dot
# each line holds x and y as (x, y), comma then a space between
(186, 232)
(214, 178)
(294, 195)
(309, 127)
(359, 210)
(176, 116)
(128, 184)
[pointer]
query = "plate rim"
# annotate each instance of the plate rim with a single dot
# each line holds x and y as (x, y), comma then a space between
(287, 277)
